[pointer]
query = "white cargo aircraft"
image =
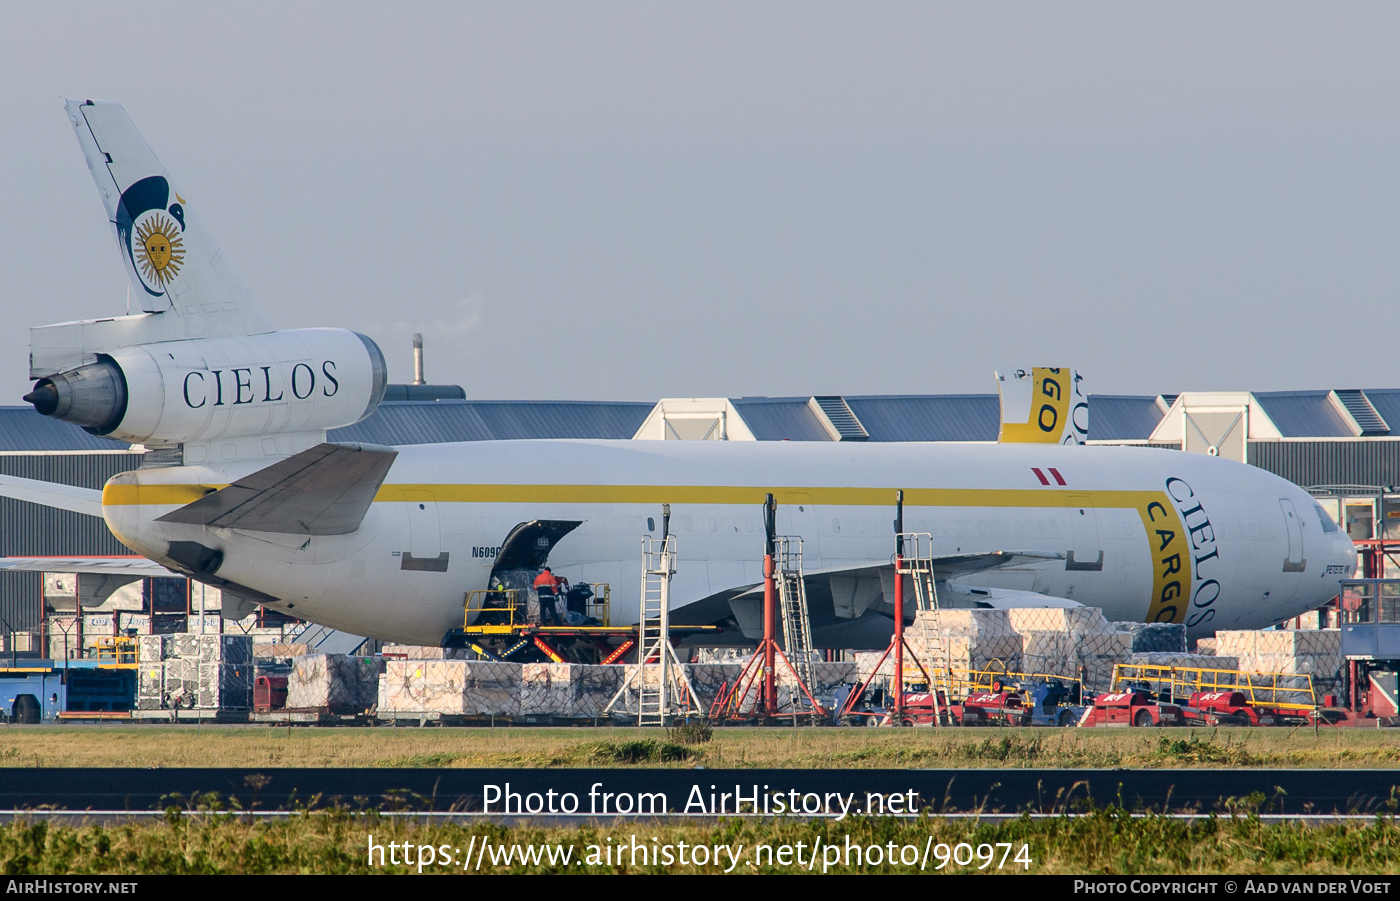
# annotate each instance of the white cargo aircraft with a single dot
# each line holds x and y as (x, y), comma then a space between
(239, 488)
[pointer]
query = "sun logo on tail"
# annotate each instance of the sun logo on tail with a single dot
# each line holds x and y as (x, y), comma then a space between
(159, 249)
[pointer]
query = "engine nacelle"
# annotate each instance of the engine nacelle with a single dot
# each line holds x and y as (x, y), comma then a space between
(201, 389)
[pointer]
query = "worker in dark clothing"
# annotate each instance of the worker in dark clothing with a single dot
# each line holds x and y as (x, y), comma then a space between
(548, 586)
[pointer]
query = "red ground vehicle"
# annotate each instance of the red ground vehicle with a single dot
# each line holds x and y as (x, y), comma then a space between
(1131, 708)
(1232, 708)
(919, 710)
(988, 708)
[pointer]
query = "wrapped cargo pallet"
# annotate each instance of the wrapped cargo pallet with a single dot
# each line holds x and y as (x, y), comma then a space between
(1207, 646)
(181, 682)
(150, 685)
(1312, 652)
(1190, 661)
(152, 648)
(974, 639)
(570, 690)
(425, 652)
(280, 651)
(1070, 642)
(450, 687)
(1155, 638)
(335, 681)
(226, 686)
(232, 650)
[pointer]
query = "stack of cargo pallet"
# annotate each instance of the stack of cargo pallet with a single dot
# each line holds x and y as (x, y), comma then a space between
(1073, 642)
(427, 652)
(1313, 652)
(706, 678)
(1164, 644)
(333, 683)
(192, 671)
(974, 639)
(450, 688)
(826, 678)
(567, 690)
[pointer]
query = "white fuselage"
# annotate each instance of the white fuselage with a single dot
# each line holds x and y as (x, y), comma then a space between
(1156, 534)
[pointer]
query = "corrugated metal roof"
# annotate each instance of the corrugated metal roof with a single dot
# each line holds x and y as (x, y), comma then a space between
(1387, 403)
(780, 418)
(1121, 417)
(1304, 414)
(435, 422)
(929, 417)
(22, 429)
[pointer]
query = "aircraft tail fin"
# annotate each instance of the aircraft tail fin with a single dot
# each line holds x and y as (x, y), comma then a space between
(172, 261)
(1042, 405)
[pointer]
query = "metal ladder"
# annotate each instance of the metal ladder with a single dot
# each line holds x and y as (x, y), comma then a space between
(663, 690)
(792, 610)
(917, 562)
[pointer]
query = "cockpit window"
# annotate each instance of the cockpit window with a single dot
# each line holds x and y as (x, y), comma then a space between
(1327, 524)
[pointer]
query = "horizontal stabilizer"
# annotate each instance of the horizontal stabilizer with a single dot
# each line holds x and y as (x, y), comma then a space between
(322, 491)
(87, 501)
(135, 567)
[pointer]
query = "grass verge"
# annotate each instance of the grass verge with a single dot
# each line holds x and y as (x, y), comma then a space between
(1105, 842)
(805, 748)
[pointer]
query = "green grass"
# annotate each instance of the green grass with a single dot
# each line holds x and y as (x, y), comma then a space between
(776, 747)
(1104, 842)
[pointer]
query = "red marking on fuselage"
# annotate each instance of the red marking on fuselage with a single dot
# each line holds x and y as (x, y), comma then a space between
(1040, 475)
(1056, 473)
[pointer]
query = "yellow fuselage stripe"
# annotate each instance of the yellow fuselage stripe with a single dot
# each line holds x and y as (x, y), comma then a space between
(166, 495)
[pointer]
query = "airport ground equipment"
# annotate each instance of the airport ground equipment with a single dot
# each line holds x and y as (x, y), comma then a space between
(1370, 633)
(496, 627)
(1285, 694)
(797, 623)
(663, 690)
(920, 567)
(1030, 702)
(38, 691)
(754, 694)
(1233, 708)
(269, 693)
(1135, 707)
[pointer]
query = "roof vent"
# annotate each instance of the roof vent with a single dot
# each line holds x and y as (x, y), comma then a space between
(838, 419)
(1366, 416)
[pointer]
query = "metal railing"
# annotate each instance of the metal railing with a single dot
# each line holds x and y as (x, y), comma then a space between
(496, 610)
(119, 651)
(1286, 690)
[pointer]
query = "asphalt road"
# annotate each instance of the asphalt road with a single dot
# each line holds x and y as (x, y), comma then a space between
(613, 792)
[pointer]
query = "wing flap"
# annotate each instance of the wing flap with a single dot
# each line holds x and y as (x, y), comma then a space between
(322, 491)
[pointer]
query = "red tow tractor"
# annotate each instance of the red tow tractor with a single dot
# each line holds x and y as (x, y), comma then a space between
(1134, 707)
(1233, 708)
(1001, 708)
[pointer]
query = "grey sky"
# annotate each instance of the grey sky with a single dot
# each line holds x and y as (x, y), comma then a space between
(640, 200)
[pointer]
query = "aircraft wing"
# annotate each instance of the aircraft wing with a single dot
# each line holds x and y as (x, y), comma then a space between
(87, 501)
(850, 606)
(951, 566)
(325, 490)
(136, 567)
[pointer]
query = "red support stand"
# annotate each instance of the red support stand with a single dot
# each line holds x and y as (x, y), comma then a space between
(770, 636)
(898, 644)
(761, 670)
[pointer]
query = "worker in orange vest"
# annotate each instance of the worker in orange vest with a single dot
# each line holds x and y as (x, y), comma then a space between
(547, 586)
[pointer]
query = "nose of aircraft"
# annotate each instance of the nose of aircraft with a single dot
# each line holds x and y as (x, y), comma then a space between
(1342, 554)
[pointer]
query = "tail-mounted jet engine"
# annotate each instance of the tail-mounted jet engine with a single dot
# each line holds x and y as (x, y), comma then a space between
(205, 388)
